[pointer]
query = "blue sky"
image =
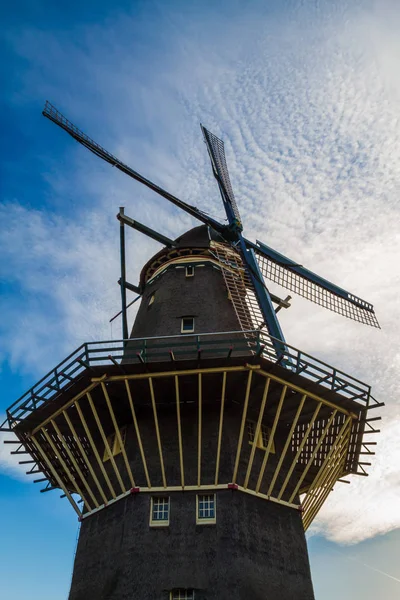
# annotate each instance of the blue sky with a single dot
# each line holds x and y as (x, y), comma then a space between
(305, 95)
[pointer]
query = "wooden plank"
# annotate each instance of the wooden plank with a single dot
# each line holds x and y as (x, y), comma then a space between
(178, 417)
(153, 402)
(271, 438)
(94, 448)
(105, 442)
(56, 475)
(257, 432)
(139, 438)
(118, 434)
(221, 423)
(84, 455)
(286, 446)
(242, 426)
(300, 449)
(74, 462)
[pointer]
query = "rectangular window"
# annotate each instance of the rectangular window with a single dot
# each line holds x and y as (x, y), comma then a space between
(206, 512)
(159, 511)
(113, 443)
(189, 271)
(181, 594)
(262, 438)
(187, 325)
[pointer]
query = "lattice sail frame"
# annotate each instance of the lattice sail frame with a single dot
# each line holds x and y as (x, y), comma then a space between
(216, 150)
(65, 443)
(353, 308)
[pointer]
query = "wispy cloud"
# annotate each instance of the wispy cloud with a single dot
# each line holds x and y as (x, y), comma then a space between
(306, 100)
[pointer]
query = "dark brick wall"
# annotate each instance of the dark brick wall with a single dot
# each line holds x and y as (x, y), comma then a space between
(255, 550)
(203, 296)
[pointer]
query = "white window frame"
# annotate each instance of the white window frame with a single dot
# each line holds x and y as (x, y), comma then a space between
(189, 271)
(206, 520)
(159, 522)
(181, 594)
(187, 330)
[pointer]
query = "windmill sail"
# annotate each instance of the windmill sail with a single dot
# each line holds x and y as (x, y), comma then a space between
(285, 272)
(216, 150)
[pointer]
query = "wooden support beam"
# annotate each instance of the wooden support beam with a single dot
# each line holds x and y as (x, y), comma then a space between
(56, 475)
(118, 434)
(242, 425)
(326, 468)
(257, 432)
(324, 491)
(67, 471)
(76, 466)
(296, 388)
(65, 406)
(199, 429)
(105, 442)
(85, 457)
(221, 423)
(286, 446)
(94, 448)
(153, 403)
(137, 431)
(271, 438)
(178, 417)
(313, 455)
(299, 450)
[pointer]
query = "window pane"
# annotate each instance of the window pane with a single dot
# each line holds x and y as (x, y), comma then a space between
(250, 430)
(182, 594)
(160, 510)
(206, 506)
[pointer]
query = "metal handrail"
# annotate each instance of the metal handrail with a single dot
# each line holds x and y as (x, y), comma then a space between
(249, 342)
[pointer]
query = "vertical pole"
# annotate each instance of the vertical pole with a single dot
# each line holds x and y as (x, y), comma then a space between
(123, 275)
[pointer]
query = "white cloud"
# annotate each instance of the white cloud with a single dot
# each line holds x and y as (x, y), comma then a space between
(307, 103)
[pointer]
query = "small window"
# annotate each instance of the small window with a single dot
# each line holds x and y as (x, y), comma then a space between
(206, 513)
(262, 438)
(187, 325)
(151, 299)
(181, 594)
(189, 271)
(114, 444)
(159, 512)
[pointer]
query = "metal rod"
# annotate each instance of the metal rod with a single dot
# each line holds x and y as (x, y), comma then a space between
(153, 403)
(146, 230)
(139, 439)
(271, 438)
(221, 422)
(56, 476)
(242, 426)
(118, 434)
(123, 273)
(257, 431)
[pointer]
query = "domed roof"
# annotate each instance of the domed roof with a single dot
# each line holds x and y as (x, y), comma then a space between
(198, 237)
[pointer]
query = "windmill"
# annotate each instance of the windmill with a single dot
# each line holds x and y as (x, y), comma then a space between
(203, 416)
